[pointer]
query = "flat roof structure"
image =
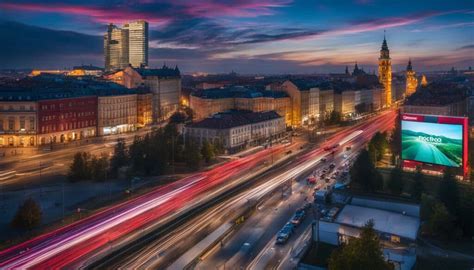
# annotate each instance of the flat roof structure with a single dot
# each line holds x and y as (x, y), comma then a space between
(384, 221)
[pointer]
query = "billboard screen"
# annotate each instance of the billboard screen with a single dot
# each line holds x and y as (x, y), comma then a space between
(434, 143)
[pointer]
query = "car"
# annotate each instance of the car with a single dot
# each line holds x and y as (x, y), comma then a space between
(332, 166)
(285, 141)
(283, 235)
(325, 171)
(298, 216)
(323, 159)
(348, 148)
(307, 206)
(311, 180)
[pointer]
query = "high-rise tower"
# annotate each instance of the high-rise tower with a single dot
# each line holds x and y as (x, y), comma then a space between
(115, 48)
(412, 81)
(127, 45)
(137, 43)
(385, 74)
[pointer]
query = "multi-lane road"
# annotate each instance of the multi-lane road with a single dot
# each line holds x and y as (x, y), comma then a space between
(75, 244)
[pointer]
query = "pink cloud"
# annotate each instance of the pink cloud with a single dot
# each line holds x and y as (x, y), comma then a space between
(98, 14)
(243, 8)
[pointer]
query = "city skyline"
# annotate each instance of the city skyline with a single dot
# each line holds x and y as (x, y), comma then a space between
(271, 36)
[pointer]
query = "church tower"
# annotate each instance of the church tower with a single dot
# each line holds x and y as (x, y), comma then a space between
(412, 81)
(385, 74)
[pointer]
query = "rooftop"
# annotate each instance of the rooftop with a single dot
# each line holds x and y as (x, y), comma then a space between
(237, 92)
(165, 71)
(395, 218)
(235, 118)
(57, 86)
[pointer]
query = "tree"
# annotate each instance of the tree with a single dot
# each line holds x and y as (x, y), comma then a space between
(441, 223)
(99, 167)
(378, 146)
(79, 169)
(426, 206)
(396, 137)
(28, 215)
(334, 118)
(364, 252)
(363, 173)
(178, 117)
(448, 192)
(193, 157)
(207, 151)
(120, 157)
(417, 187)
(395, 184)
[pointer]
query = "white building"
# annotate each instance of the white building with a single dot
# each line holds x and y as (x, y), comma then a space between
(396, 223)
(236, 130)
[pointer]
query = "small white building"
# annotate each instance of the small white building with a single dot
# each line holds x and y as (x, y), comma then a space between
(396, 223)
(237, 129)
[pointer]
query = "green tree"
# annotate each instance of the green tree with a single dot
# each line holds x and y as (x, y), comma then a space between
(28, 215)
(448, 192)
(396, 138)
(364, 252)
(426, 206)
(333, 118)
(207, 151)
(441, 223)
(79, 169)
(378, 146)
(364, 174)
(193, 157)
(136, 154)
(99, 167)
(120, 157)
(178, 117)
(395, 184)
(417, 187)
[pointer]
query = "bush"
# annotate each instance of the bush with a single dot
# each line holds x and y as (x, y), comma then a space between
(28, 215)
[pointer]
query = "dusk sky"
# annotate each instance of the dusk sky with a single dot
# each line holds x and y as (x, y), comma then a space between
(248, 36)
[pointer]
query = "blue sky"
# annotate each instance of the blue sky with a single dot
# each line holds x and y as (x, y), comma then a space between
(248, 36)
(446, 130)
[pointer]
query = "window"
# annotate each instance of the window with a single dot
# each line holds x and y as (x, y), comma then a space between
(1, 124)
(32, 123)
(22, 122)
(11, 123)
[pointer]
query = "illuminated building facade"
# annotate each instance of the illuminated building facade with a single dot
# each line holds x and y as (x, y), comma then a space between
(17, 120)
(424, 81)
(115, 48)
(211, 101)
(127, 45)
(63, 120)
(144, 109)
(137, 43)
(385, 74)
(237, 129)
(412, 81)
(117, 112)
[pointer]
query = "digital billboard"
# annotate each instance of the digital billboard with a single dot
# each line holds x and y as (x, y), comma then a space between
(437, 140)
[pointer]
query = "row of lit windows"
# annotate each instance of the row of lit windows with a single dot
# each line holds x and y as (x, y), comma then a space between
(68, 126)
(22, 123)
(17, 108)
(69, 104)
(67, 115)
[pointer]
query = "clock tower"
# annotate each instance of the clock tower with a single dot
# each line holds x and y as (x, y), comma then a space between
(385, 74)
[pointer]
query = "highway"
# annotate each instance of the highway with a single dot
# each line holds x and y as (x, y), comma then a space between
(253, 246)
(188, 234)
(98, 233)
(66, 245)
